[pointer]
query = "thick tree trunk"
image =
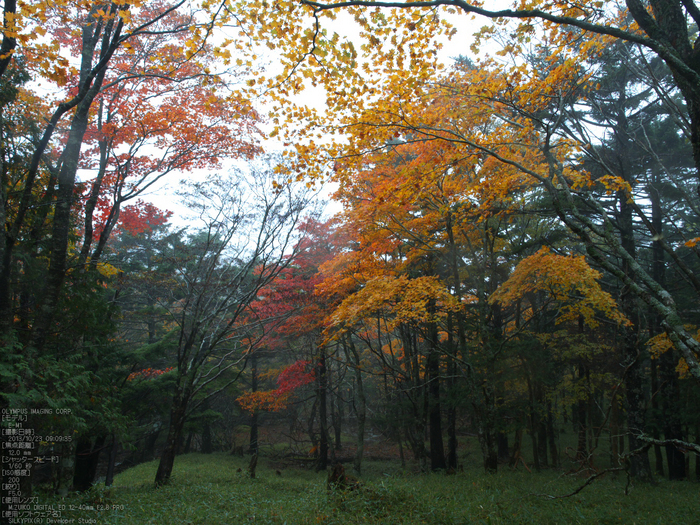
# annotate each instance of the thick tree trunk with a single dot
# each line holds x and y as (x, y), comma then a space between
(503, 447)
(87, 457)
(109, 477)
(172, 442)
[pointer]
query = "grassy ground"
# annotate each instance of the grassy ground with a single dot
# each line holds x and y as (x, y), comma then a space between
(207, 489)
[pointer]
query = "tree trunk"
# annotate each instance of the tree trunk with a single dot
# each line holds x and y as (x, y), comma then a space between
(551, 436)
(322, 463)
(451, 408)
(670, 399)
(177, 422)
(89, 88)
(503, 447)
(207, 446)
(188, 444)
(150, 445)
(541, 424)
(634, 380)
(109, 478)
(639, 463)
(614, 431)
(437, 448)
(517, 448)
(253, 448)
(656, 411)
(310, 427)
(697, 456)
(581, 427)
(487, 430)
(532, 424)
(360, 403)
(336, 421)
(87, 457)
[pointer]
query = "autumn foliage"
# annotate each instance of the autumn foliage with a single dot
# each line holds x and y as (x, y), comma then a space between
(289, 379)
(517, 248)
(147, 373)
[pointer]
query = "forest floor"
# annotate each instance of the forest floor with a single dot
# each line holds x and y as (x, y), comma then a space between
(213, 489)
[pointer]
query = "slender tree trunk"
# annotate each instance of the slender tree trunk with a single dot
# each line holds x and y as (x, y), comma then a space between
(335, 423)
(339, 421)
(89, 87)
(697, 456)
(658, 271)
(437, 448)
(360, 403)
(150, 445)
(310, 427)
(487, 429)
(672, 427)
(253, 448)
(551, 435)
(322, 411)
(516, 455)
(581, 427)
(657, 421)
(451, 408)
(532, 424)
(634, 380)
(207, 445)
(541, 424)
(614, 431)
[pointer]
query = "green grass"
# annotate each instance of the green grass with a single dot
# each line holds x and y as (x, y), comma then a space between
(207, 489)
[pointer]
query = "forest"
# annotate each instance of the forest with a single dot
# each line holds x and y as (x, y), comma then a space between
(509, 285)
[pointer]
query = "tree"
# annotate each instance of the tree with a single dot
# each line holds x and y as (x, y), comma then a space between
(399, 57)
(142, 74)
(134, 60)
(248, 229)
(290, 318)
(518, 128)
(664, 26)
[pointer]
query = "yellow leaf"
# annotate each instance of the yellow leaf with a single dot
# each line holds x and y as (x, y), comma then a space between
(107, 269)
